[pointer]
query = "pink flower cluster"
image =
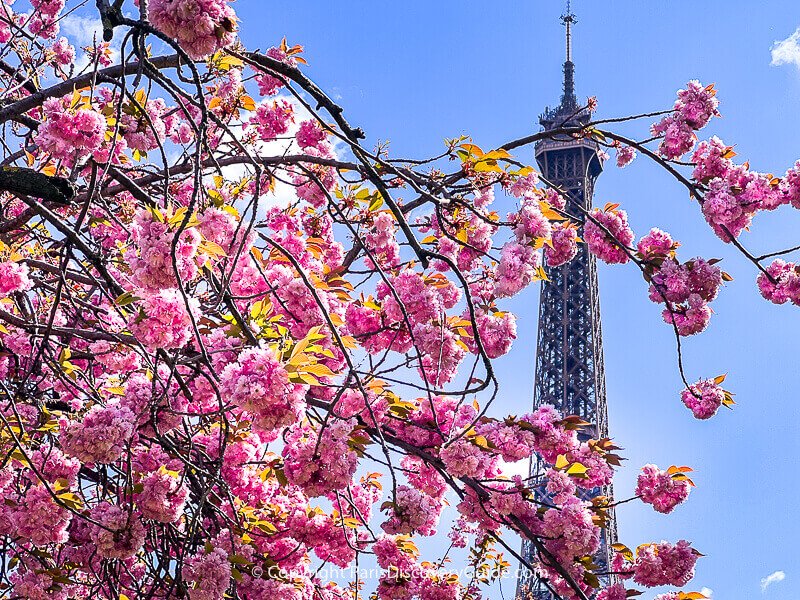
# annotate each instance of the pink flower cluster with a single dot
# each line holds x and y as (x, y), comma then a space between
(320, 464)
(734, 193)
(145, 130)
(530, 223)
(518, 268)
(608, 248)
(69, 134)
(381, 240)
(151, 257)
(696, 105)
(421, 313)
(63, 52)
(665, 564)
(210, 574)
(413, 512)
(102, 436)
(685, 288)
(39, 519)
(497, 331)
(162, 497)
(201, 27)
(703, 398)
(475, 232)
(615, 592)
(661, 488)
(656, 245)
(119, 533)
(272, 119)
(693, 110)
(164, 320)
(570, 532)
(551, 438)
(781, 282)
(520, 261)
(310, 134)
(625, 156)
(267, 84)
(14, 277)
(45, 17)
(259, 384)
(563, 244)
(463, 458)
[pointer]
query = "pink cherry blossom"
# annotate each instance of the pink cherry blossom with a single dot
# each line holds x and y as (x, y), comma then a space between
(625, 156)
(615, 592)
(564, 244)
(162, 497)
(413, 512)
(39, 519)
(14, 277)
(608, 248)
(209, 573)
(711, 160)
(690, 319)
(661, 489)
(164, 321)
(656, 244)
(697, 104)
(69, 134)
(703, 398)
(122, 533)
(322, 463)
(101, 436)
(781, 283)
(518, 268)
(259, 384)
(200, 26)
(151, 258)
(272, 119)
(677, 135)
(665, 564)
(310, 134)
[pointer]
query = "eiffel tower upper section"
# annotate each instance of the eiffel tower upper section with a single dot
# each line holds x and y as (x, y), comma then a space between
(569, 354)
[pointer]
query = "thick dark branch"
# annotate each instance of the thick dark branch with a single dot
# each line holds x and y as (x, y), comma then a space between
(33, 183)
(67, 87)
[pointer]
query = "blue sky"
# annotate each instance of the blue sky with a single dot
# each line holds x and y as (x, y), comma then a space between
(415, 72)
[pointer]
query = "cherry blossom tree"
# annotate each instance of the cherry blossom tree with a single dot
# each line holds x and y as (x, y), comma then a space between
(239, 342)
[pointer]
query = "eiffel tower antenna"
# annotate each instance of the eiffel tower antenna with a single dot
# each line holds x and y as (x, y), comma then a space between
(569, 19)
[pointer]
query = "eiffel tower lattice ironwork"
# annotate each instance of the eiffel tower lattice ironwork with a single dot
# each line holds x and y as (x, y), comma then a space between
(570, 373)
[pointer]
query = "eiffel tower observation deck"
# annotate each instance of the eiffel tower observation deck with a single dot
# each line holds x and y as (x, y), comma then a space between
(569, 353)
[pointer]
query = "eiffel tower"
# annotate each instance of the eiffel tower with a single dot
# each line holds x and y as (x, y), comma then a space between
(569, 354)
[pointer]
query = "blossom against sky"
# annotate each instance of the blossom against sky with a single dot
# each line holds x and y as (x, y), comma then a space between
(416, 72)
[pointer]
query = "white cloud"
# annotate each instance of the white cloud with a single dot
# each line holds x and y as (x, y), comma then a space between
(521, 467)
(82, 30)
(775, 577)
(85, 31)
(787, 52)
(707, 592)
